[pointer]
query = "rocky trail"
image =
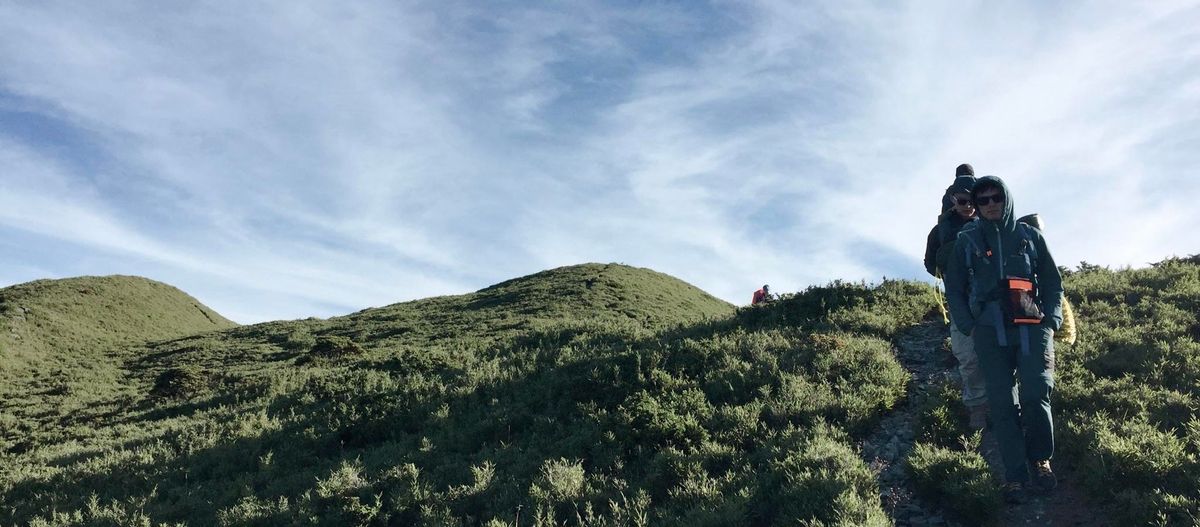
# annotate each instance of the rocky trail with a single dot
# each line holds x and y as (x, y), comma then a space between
(920, 350)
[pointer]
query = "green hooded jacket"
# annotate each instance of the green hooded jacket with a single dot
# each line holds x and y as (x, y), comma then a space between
(974, 279)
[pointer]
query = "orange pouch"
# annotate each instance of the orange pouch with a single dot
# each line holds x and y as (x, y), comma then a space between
(1021, 304)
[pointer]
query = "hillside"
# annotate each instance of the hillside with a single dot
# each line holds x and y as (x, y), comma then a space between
(611, 293)
(607, 295)
(56, 321)
(604, 395)
(63, 343)
(607, 392)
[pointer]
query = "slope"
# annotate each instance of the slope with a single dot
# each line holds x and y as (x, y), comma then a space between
(62, 344)
(589, 295)
(70, 320)
(537, 401)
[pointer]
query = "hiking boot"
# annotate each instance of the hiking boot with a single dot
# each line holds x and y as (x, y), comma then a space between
(979, 415)
(1014, 493)
(1043, 477)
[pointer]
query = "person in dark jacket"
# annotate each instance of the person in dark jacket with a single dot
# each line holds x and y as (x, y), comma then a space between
(1004, 290)
(940, 241)
(964, 169)
(938, 248)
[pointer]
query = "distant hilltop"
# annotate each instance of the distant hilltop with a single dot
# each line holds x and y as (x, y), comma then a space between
(81, 316)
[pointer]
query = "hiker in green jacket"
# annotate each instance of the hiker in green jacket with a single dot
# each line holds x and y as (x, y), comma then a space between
(938, 248)
(1005, 291)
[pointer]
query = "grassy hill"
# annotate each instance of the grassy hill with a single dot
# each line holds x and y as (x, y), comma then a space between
(589, 395)
(55, 321)
(598, 395)
(63, 343)
(1128, 393)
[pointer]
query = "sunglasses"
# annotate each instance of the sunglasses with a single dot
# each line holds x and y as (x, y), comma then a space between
(962, 202)
(981, 201)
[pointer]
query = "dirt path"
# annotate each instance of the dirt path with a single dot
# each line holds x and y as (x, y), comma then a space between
(886, 449)
(919, 349)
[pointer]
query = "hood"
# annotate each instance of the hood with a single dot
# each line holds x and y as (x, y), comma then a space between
(1007, 223)
(964, 169)
(962, 184)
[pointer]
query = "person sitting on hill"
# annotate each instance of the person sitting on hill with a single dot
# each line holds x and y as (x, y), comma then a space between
(1005, 291)
(761, 296)
(938, 248)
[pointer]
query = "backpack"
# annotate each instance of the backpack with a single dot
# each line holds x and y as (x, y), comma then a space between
(976, 248)
(947, 239)
(1016, 291)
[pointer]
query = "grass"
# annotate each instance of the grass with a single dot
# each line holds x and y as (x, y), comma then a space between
(1127, 402)
(1128, 395)
(958, 478)
(587, 395)
(945, 464)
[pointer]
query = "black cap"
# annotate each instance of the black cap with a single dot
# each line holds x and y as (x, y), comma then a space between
(961, 185)
(964, 169)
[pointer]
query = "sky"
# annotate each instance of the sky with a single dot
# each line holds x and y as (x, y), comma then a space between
(280, 160)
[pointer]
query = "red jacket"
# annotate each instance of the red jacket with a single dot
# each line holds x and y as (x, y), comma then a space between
(759, 296)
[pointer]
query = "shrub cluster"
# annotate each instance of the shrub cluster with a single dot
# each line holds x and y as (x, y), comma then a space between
(945, 463)
(746, 420)
(1128, 394)
(957, 478)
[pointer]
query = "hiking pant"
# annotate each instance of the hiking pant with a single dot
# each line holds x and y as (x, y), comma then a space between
(973, 391)
(1024, 356)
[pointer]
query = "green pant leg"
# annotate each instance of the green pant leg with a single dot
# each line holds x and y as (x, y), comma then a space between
(1035, 374)
(998, 364)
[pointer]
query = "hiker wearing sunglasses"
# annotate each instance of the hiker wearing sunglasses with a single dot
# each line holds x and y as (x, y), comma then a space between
(962, 170)
(1004, 290)
(938, 248)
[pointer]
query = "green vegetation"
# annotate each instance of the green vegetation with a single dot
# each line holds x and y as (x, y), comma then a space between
(595, 395)
(63, 344)
(587, 395)
(1127, 402)
(945, 463)
(958, 478)
(1128, 395)
(941, 416)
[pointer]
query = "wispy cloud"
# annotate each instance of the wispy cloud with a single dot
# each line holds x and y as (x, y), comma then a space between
(295, 159)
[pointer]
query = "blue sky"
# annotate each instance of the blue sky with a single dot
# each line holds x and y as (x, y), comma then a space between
(280, 160)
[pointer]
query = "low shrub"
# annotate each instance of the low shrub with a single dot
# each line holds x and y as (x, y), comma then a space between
(335, 346)
(958, 479)
(182, 382)
(941, 415)
(816, 478)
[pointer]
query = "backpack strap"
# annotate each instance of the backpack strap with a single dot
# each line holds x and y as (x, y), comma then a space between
(1029, 247)
(972, 248)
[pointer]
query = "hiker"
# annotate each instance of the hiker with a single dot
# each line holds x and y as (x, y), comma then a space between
(1066, 333)
(964, 169)
(938, 248)
(1005, 290)
(761, 296)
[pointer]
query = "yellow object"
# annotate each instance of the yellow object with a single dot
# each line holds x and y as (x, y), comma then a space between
(1067, 332)
(941, 299)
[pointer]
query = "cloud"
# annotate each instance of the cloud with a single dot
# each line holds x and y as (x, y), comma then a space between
(309, 159)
